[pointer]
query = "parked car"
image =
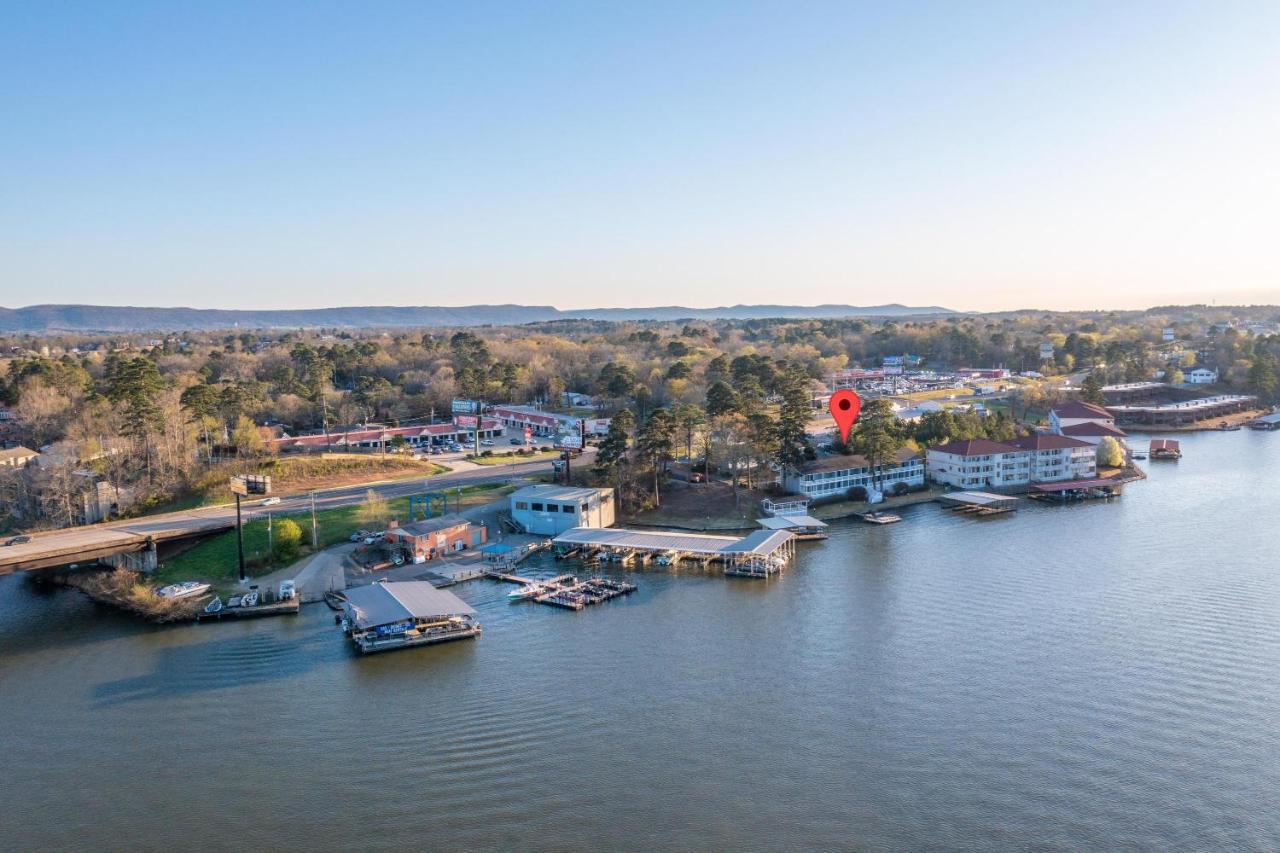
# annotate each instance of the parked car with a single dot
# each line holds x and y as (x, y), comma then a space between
(17, 540)
(358, 535)
(270, 501)
(517, 441)
(486, 442)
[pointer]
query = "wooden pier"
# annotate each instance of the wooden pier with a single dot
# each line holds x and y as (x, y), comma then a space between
(581, 594)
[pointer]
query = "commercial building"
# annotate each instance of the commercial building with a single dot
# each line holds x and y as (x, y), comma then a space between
(382, 438)
(433, 537)
(551, 510)
(832, 476)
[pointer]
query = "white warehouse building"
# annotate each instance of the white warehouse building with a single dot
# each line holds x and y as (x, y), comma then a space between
(551, 510)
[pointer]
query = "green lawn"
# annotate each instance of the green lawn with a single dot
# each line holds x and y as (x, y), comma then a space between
(214, 559)
(509, 458)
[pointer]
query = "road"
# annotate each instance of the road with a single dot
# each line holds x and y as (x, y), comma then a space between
(84, 544)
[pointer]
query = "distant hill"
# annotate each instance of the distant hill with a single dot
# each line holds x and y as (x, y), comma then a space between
(108, 318)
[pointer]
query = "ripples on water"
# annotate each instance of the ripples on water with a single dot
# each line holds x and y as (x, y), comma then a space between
(1100, 675)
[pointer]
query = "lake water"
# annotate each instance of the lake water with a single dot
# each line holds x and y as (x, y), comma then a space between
(1100, 675)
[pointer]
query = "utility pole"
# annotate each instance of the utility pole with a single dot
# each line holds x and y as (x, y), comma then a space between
(240, 538)
(315, 539)
(270, 536)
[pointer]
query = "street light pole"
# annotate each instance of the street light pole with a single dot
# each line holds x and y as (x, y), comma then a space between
(240, 538)
(315, 540)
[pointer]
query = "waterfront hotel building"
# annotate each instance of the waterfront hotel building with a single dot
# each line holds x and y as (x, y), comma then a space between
(833, 476)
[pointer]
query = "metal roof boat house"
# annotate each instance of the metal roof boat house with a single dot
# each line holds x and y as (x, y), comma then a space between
(760, 554)
(384, 616)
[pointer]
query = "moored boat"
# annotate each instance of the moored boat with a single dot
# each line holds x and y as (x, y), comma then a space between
(186, 589)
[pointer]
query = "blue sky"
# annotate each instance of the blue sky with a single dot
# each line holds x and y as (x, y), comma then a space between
(978, 156)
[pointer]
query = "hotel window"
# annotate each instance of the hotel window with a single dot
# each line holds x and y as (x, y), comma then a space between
(537, 507)
(521, 505)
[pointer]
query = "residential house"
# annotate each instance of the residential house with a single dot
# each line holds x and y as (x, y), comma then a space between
(17, 457)
(1200, 375)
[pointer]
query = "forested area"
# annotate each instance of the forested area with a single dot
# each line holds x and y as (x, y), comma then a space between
(148, 414)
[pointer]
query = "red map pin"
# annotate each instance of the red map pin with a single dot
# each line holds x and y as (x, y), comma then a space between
(845, 406)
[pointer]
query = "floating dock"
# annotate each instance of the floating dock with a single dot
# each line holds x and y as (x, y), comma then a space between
(578, 595)
(979, 503)
(278, 608)
(759, 554)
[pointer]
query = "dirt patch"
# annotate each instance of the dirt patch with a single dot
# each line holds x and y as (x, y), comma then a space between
(706, 506)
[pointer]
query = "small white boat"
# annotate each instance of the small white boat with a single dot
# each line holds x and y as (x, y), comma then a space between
(183, 590)
(250, 599)
(213, 606)
(881, 518)
(526, 591)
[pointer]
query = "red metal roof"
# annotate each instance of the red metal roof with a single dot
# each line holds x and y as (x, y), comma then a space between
(1094, 428)
(1164, 444)
(975, 447)
(1047, 441)
(1080, 409)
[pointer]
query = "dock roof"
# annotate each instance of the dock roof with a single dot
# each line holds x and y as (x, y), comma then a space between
(431, 525)
(650, 540)
(385, 603)
(789, 522)
(761, 543)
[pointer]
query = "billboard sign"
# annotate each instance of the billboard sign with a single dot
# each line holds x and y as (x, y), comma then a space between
(468, 421)
(467, 407)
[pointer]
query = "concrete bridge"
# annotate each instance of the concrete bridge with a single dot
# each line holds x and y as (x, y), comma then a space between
(141, 536)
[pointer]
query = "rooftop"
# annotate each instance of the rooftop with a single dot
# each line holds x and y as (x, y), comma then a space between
(558, 493)
(1081, 409)
(840, 462)
(690, 543)
(975, 447)
(431, 525)
(385, 603)
(1047, 441)
(18, 452)
(1094, 429)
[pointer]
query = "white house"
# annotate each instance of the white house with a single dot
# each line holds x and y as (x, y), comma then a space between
(834, 475)
(550, 510)
(1200, 375)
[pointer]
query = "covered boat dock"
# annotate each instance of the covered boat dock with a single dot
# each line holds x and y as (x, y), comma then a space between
(760, 554)
(393, 615)
(1184, 413)
(1076, 490)
(979, 503)
(803, 526)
